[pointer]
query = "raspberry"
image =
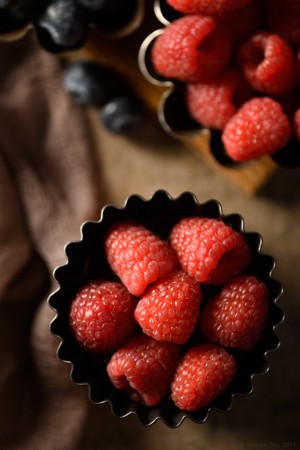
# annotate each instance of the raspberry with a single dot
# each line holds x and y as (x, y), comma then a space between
(236, 316)
(169, 310)
(209, 250)
(144, 369)
(296, 124)
(138, 256)
(203, 373)
(102, 316)
(192, 48)
(283, 18)
(268, 64)
(206, 6)
(259, 127)
(213, 103)
(244, 21)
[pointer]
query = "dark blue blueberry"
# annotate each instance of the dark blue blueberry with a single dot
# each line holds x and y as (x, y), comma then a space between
(123, 114)
(62, 26)
(90, 83)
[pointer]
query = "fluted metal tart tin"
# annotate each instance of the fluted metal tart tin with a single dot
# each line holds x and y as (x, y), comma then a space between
(172, 112)
(86, 261)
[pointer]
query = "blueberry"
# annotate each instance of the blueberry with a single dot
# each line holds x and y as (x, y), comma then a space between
(62, 26)
(90, 83)
(122, 114)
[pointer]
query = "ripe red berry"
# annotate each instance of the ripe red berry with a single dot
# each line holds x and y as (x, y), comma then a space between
(206, 6)
(236, 316)
(138, 256)
(283, 18)
(191, 48)
(102, 316)
(144, 369)
(268, 63)
(243, 21)
(214, 102)
(209, 250)
(203, 373)
(260, 127)
(169, 310)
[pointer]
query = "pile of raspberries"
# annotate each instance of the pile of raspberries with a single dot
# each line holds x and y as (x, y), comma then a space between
(161, 334)
(240, 62)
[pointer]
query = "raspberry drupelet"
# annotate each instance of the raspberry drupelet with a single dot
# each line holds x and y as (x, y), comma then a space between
(169, 309)
(203, 373)
(209, 250)
(237, 315)
(138, 256)
(102, 316)
(144, 368)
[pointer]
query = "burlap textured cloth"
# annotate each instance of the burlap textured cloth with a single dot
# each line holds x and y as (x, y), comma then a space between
(47, 189)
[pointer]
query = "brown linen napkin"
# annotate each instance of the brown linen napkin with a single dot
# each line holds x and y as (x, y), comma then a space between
(47, 189)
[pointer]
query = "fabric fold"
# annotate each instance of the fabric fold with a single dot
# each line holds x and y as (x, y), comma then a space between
(48, 188)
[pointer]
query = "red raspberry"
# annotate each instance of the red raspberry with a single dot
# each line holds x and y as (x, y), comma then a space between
(209, 250)
(102, 316)
(213, 103)
(138, 256)
(268, 63)
(260, 127)
(236, 316)
(206, 6)
(169, 310)
(283, 18)
(144, 369)
(191, 48)
(243, 21)
(203, 373)
(296, 124)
